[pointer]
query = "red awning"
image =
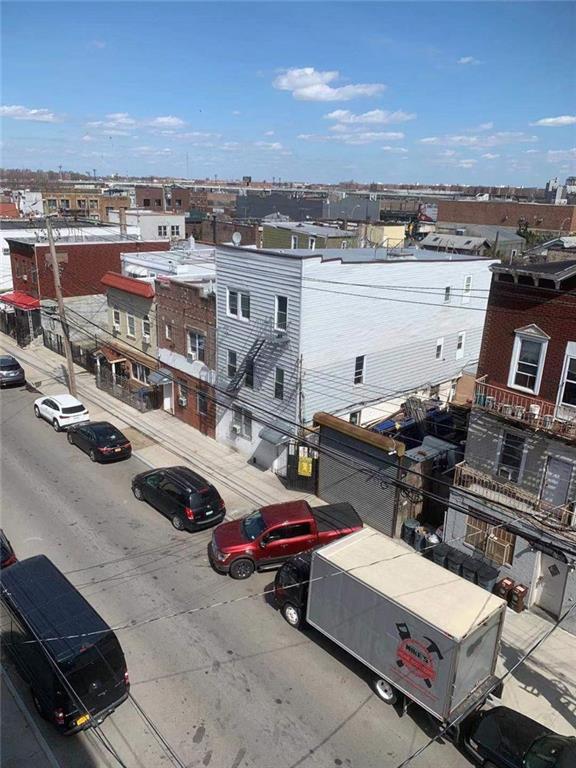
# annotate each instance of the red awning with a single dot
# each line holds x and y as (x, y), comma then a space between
(20, 300)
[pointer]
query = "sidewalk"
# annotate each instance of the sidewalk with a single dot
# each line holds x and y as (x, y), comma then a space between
(544, 687)
(158, 438)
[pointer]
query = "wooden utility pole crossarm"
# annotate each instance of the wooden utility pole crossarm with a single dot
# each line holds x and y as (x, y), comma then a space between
(62, 312)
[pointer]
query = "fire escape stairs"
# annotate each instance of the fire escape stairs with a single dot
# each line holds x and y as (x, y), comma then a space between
(236, 381)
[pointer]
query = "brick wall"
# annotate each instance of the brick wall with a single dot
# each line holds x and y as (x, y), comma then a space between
(82, 265)
(513, 306)
(154, 196)
(222, 231)
(509, 214)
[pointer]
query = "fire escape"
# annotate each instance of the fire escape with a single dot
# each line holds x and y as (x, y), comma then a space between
(266, 340)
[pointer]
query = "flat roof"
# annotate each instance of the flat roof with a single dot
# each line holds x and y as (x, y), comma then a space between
(382, 255)
(441, 598)
(314, 230)
(553, 270)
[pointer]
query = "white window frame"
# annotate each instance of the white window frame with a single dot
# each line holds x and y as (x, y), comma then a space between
(279, 382)
(146, 333)
(312, 243)
(344, 244)
(447, 294)
(356, 417)
(239, 314)
(168, 331)
(499, 465)
(467, 289)
(242, 420)
(277, 325)
(198, 349)
(570, 354)
(201, 397)
(293, 241)
(175, 230)
(363, 372)
(116, 319)
(162, 230)
(130, 320)
(439, 345)
(137, 367)
(519, 337)
(233, 365)
(460, 344)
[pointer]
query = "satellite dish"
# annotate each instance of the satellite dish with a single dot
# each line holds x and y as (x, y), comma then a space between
(236, 238)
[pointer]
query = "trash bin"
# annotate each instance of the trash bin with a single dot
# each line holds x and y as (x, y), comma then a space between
(419, 538)
(432, 541)
(487, 576)
(454, 560)
(504, 587)
(518, 598)
(470, 567)
(410, 525)
(439, 554)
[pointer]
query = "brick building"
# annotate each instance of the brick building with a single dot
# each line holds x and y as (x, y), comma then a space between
(186, 318)
(213, 230)
(82, 264)
(514, 496)
(536, 216)
(88, 203)
(151, 197)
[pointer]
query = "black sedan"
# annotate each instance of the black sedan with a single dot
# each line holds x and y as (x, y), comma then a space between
(189, 501)
(7, 555)
(101, 440)
(503, 738)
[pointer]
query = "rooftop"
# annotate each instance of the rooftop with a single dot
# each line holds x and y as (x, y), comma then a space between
(129, 284)
(359, 255)
(461, 242)
(314, 230)
(550, 270)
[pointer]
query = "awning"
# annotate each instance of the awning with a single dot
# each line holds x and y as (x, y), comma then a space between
(274, 436)
(20, 300)
(162, 376)
(111, 355)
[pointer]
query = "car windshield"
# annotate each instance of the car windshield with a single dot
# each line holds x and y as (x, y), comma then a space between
(550, 752)
(253, 525)
(73, 409)
(9, 366)
(106, 435)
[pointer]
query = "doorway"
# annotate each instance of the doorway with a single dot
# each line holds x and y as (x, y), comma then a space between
(167, 404)
(550, 584)
(556, 481)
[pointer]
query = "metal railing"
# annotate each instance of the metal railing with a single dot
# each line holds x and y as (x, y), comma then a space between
(502, 492)
(530, 411)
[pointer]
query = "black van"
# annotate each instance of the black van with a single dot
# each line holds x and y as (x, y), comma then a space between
(67, 653)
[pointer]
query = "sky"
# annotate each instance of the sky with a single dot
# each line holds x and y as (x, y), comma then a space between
(391, 92)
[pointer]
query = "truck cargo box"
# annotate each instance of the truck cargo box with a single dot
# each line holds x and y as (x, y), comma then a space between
(429, 632)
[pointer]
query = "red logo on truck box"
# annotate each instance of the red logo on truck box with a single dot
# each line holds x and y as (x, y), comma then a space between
(416, 656)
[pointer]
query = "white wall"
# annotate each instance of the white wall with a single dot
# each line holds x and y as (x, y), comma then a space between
(148, 223)
(393, 313)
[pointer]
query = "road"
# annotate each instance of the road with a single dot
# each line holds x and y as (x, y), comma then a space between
(231, 686)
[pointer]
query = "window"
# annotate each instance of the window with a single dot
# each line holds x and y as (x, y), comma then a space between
(168, 331)
(162, 230)
(294, 241)
(281, 313)
(140, 372)
(493, 542)
(146, 202)
(64, 203)
(439, 348)
(447, 294)
(182, 392)
(288, 532)
(466, 293)
(81, 203)
(242, 422)
(279, 384)
(359, 370)
(461, 340)
(249, 375)
(232, 363)
(51, 203)
(569, 388)
(355, 417)
(158, 202)
(131, 326)
(239, 304)
(178, 202)
(344, 244)
(146, 328)
(93, 203)
(527, 362)
(175, 230)
(511, 453)
(312, 243)
(513, 253)
(116, 318)
(196, 345)
(202, 404)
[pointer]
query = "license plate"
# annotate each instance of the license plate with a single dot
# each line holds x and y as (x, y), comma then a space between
(117, 450)
(209, 512)
(83, 719)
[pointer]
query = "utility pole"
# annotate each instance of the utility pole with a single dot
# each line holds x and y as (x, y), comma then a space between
(61, 311)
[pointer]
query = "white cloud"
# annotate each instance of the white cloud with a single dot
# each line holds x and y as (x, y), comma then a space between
(195, 135)
(236, 112)
(167, 121)
(466, 163)
(354, 138)
(558, 155)
(429, 140)
(447, 153)
(376, 116)
(556, 122)
(269, 133)
(490, 156)
(87, 137)
(482, 127)
(484, 141)
(468, 60)
(17, 112)
(530, 151)
(399, 150)
(309, 84)
(273, 145)
(97, 44)
(148, 151)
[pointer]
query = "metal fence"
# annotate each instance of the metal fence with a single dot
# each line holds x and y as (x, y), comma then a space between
(82, 356)
(143, 399)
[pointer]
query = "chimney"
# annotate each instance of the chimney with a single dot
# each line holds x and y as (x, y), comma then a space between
(122, 216)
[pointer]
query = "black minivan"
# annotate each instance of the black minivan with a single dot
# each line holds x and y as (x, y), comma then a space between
(189, 501)
(65, 651)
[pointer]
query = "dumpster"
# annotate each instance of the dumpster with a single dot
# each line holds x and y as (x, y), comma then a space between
(470, 567)
(439, 554)
(487, 577)
(454, 560)
(410, 525)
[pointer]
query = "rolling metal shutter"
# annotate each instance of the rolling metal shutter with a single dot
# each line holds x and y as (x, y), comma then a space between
(362, 475)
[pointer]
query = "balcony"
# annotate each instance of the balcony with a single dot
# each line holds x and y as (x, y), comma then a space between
(529, 411)
(524, 503)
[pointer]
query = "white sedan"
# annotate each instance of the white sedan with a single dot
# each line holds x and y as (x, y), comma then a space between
(61, 411)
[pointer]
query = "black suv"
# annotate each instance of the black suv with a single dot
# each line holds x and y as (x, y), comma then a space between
(291, 589)
(187, 499)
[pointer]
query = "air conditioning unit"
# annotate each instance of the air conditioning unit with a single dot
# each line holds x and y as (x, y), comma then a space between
(183, 402)
(234, 430)
(505, 472)
(115, 330)
(146, 339)
(191, 357)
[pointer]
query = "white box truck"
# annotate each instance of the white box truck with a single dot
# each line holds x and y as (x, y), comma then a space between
(422, 630)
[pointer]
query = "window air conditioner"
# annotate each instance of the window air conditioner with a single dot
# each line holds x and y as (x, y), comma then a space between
(505, 472)
(146, 339)
(183, 402)
(191, 357)
(115, 330)
(235, 430)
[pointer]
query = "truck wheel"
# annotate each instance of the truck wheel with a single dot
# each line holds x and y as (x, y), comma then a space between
(292, 614)
(385, 691)
(241, 569)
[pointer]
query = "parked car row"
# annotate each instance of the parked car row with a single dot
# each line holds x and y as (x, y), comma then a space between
(11, 372)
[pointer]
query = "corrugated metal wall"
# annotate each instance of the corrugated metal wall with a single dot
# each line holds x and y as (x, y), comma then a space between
(341, 478)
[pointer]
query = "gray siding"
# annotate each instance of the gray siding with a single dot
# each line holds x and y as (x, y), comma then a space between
(263, 277)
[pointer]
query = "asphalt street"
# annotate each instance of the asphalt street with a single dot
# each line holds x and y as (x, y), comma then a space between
(229, 686)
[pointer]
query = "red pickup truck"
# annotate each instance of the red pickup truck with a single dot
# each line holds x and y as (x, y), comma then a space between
(271, 535)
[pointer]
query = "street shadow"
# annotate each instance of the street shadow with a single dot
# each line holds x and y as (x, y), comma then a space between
(543, 684)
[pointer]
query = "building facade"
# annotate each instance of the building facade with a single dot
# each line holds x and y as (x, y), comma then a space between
(535, 216)
(516, 490)
(154, 225)
(308, 236)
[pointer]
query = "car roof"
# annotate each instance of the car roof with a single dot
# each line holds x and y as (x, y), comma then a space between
(65, 400)
(188, 477)
(102, 424)
(7, 359)
(285, 512)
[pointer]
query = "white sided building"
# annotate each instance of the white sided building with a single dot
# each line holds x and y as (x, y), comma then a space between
(152, 225)
(344, 332)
